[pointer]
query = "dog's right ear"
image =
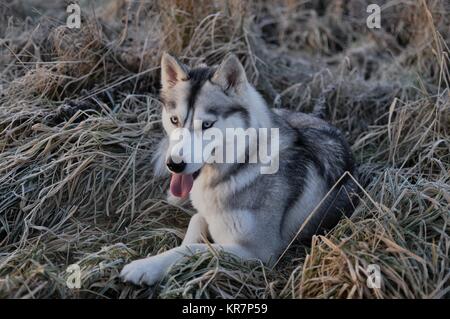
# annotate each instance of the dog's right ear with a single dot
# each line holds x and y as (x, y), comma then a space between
(172, 71)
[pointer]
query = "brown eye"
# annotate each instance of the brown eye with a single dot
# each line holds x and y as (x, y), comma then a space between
(174, 120)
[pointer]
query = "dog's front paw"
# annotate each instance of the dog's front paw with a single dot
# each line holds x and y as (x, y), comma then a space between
(143, 271)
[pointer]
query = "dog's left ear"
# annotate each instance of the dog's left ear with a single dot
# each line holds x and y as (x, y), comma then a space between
(230, 75)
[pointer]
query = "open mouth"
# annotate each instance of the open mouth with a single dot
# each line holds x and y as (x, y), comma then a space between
(181, 184)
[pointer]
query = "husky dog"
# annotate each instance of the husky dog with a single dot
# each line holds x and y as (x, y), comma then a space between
(244, 212)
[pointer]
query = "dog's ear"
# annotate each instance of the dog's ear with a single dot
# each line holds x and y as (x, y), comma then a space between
(230, 74)
(172, 71)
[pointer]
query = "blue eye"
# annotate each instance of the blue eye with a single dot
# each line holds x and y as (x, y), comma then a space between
(207, 124)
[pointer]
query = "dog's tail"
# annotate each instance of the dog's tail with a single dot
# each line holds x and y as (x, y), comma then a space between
(320, 107)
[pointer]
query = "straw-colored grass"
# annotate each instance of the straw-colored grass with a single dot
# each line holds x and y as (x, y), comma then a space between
(80, 116)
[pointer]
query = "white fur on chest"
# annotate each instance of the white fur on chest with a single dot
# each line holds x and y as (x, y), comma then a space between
(226, 226)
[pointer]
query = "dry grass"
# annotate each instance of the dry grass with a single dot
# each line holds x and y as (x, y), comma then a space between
(79, 116)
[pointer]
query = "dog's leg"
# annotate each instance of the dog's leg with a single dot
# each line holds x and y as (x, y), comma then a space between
(197, 229)
(151, 270)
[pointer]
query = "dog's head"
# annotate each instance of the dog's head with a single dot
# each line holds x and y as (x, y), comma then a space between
(197, 102)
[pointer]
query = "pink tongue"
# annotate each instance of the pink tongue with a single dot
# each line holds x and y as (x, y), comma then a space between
(181, 184)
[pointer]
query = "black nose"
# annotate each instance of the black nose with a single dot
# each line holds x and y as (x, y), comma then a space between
(175, 167)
